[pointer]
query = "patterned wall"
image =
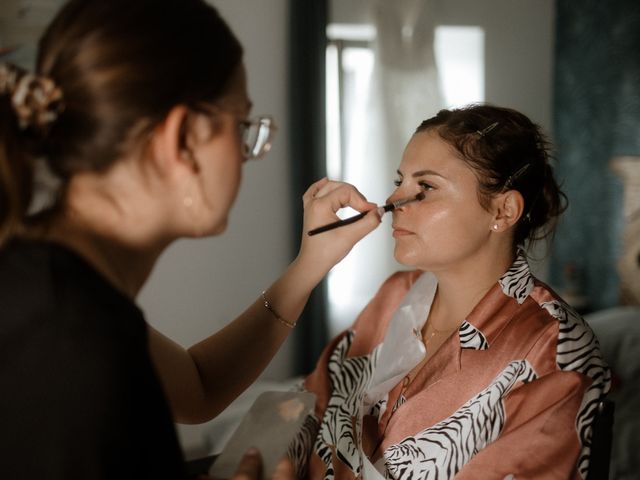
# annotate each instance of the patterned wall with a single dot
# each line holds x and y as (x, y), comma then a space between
(597, 117)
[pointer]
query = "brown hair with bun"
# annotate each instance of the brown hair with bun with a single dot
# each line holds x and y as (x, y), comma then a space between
(108, 72)
(507, 151)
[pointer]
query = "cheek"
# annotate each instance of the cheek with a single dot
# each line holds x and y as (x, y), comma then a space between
(227, 167)
(441, 235)
(438, 221)
(227, 184)
(221, 177)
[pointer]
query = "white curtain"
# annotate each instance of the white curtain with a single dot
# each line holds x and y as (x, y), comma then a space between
(404, 90)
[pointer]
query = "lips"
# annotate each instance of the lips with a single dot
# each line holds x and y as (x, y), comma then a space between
(400, 232)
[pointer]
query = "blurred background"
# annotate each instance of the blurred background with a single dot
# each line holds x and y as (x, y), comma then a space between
(348, 81)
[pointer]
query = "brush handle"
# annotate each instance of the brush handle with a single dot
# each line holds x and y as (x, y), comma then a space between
(339, 223)
(381, 211)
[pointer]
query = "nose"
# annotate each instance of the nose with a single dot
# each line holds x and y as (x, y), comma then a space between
(395, 196)
(400, 194)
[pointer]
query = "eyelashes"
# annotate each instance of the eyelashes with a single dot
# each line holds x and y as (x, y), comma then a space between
(423, 185)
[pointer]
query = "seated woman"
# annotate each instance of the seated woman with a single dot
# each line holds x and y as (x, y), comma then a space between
(467, 366)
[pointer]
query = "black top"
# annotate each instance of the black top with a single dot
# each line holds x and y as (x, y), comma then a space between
(79, 397)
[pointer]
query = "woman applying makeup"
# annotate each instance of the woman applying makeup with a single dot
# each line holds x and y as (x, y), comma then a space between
(140, 111)
(466, 366)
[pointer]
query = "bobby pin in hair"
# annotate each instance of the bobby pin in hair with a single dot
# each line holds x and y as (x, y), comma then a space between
(532, 206)
(488, 129)
(512, 178)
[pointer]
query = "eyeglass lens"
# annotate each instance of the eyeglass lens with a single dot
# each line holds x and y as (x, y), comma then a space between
(257, 137)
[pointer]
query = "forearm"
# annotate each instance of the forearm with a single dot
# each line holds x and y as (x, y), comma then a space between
(233, 358)
(201, 381)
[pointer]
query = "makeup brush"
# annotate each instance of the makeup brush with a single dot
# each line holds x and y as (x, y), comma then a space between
(381, 211)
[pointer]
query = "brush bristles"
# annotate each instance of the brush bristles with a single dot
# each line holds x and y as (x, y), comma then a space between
(417, 198)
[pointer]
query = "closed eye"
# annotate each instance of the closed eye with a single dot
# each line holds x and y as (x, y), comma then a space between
(423, 185)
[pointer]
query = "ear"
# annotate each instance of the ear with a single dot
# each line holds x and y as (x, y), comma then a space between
(508, 207)
(169, 143)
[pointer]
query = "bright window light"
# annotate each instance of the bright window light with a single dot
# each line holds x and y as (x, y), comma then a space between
(459, 53)
(351, 31)
(334, 156)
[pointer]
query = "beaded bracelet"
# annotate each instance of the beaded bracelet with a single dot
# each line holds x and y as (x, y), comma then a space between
(268, 306)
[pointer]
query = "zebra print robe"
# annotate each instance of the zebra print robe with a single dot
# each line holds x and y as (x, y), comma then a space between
(511, 394)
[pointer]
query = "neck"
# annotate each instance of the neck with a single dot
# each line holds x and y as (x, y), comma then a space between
(115, 241)
(126, 267)
(460, 290)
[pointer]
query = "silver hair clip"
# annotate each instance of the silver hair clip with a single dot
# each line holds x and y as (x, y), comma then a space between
(488, 129)
(513, 177)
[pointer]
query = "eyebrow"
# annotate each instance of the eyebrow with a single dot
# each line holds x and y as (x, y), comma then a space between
(422, 173)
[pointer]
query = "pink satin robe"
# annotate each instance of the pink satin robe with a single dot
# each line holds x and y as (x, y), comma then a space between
(512, 392)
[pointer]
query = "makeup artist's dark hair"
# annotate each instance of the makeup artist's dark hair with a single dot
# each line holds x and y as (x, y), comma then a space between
(121, 66)
(507, 151)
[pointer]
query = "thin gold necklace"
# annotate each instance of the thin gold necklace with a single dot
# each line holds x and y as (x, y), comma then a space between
(409, 378)
(413, 373)
(437, 332)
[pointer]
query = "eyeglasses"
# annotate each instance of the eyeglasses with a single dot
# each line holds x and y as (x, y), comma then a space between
(257, 135)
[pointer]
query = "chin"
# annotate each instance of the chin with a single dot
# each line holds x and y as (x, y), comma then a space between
(219, 228)
(410, 258)
(402, 257)
(212, 230)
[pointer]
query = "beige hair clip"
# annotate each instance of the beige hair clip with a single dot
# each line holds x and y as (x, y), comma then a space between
(36, 100)
(8, 78)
